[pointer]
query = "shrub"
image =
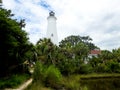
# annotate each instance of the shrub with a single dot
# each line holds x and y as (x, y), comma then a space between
(38, 74)
(72, 82)
(85, 69)
(37, 86)
(13, 81)
(53, 77)
(49, 76)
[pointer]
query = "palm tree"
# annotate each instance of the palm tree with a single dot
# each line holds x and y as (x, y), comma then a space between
(46, 51)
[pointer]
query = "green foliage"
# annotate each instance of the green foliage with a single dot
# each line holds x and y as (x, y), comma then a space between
(0, 3)
(48, 76)
(74, 40)
(85, 69)
(37, 86)
(101, 68)
(71, 82)
(106, 62)
(46, 51)
(39, 72)
(113, 66)
(72, 55)
(13, 81)
(53, 77)
(14, 44)
(69, 67)
(75, 50)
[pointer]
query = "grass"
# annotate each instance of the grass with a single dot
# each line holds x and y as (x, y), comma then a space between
(98, 76)
(37, 86)
(68, 83)
(13, 81)
(71, 82)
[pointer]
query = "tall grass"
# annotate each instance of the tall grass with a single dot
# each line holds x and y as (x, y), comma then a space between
(53, 77)
(37, 86)
(38, 74)
(72, 82)
(47, 76)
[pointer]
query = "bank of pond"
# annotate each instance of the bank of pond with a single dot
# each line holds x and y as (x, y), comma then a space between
(100, 82)
(71, 82)
(82, 82)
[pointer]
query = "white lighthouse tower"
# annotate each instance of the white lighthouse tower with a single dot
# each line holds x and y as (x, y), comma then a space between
(51, 28)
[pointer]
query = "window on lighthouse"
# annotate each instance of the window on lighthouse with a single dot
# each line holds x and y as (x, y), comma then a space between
(52, 35)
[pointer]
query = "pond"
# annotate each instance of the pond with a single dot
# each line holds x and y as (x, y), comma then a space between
(100, 84)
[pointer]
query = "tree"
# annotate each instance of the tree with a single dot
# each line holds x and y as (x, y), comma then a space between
(74, 40)
(14, 43)
(0, 2)
(77, 46)
(46, 51)
(116, 54)
(75, 52)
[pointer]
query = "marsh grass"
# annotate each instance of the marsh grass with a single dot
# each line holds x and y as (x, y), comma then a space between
(71, 82)
(98, 76)
(37, 86)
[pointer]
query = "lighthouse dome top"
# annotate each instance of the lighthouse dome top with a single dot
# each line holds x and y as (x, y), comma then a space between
(51, 13)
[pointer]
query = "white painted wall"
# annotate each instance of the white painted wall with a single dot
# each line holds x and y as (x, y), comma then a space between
(52, 29)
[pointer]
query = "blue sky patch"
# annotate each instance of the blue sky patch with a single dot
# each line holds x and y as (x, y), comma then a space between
(45, 5)
(17, 1)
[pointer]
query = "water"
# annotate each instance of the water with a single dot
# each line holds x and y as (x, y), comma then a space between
(101, 84)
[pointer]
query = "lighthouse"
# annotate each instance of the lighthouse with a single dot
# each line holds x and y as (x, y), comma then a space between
(51, 28)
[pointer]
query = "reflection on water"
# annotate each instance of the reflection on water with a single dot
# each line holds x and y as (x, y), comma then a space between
(101, 84)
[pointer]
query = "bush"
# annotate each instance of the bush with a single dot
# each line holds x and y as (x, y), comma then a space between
(48, 76)
(85, 69)
(37, 86)
(53, 77)
(38, 74)
(72, 82)
(13, 81)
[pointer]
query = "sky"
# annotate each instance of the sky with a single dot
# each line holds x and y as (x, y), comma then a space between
(99, 19)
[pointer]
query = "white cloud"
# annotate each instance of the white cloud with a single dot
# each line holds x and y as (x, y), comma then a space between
(97, 18)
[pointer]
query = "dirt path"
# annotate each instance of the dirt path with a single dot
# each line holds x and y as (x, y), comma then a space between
(23, 86)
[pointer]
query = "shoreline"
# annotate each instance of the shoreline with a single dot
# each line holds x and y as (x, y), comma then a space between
(99, 76)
